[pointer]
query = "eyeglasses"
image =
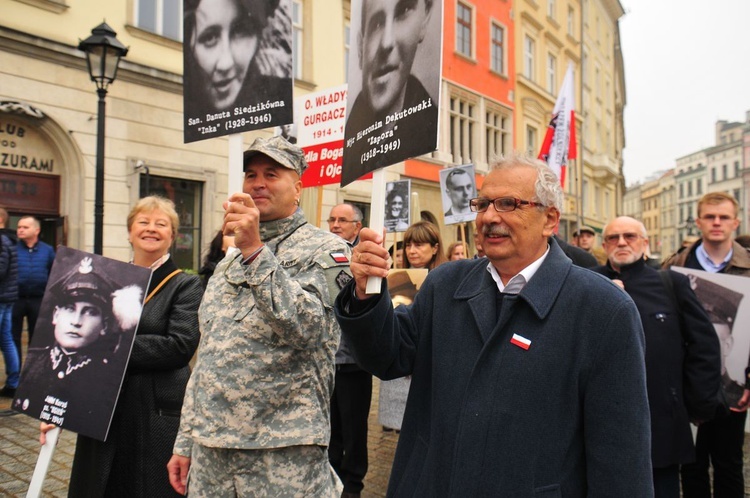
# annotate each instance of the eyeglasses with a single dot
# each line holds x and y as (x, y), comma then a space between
(331, 221)
(502, 204)
(614, 238)
(723, 218)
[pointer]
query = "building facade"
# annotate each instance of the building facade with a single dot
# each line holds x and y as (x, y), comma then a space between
(489, 106)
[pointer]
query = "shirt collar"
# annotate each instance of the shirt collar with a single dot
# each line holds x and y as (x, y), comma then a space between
(524, 276)
(706, 262)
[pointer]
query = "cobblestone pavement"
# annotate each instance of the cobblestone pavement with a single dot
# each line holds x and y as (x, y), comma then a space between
(19, 449)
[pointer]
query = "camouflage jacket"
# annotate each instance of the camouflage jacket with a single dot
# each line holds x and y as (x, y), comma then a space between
(265, 367)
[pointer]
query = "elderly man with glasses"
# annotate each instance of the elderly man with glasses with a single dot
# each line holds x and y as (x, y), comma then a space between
(352, 391)
(683, 357)
(528, 373)
(345, 221)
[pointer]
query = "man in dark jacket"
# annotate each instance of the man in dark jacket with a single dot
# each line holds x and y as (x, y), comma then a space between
(8, 296)
(719, 442)
(352, 388)
(34, 264)
(528, 373)
(683, 357)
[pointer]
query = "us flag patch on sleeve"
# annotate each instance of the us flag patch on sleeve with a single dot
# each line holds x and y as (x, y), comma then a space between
(339, 257)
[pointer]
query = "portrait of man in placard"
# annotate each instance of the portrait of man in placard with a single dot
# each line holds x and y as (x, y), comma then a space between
(237, 66)
(397, 214)
(394, 83)
(79, 352)
(722, 296)
(458, 187)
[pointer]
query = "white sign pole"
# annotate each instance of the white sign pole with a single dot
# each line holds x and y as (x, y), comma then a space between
(235, 179)
(42, 463)
(377, 215)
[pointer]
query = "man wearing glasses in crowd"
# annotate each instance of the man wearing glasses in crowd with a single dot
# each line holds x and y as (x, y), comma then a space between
(352, 391)
(518, 388)
(719, 442)
(683, 358)
(345, 221)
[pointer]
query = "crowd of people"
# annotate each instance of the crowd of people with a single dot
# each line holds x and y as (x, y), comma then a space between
(278, 399)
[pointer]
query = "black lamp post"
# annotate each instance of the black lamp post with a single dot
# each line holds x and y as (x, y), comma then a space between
(103, 52)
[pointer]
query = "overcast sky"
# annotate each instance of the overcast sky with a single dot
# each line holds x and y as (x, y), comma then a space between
(687, 65)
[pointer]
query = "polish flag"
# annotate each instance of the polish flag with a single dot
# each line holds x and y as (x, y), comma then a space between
(520, 341)
(560, 141)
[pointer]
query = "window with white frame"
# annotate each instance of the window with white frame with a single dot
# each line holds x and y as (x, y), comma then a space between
(497, 131)
(597, 84)
(607, 209)
(528, 57)
(163, 17)
(571, 21)
(497, 62)
(551, 73)
(597, 199)
(463, 29)
(531, 148)
(585, 196)
(463, 122)
(297, 40)
(551, 9)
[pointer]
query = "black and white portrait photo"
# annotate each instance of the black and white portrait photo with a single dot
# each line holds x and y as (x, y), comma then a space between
(458, 187)
(397, 214)
(237, 66)
(288, 131)
(394, 83)
(722, 296)
(82, 340)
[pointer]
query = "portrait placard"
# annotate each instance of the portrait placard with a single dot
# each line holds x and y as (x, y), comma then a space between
(237, 66)
(394, 88)
(77, 358)
(397, 214)
(723, 298)
(458, 186)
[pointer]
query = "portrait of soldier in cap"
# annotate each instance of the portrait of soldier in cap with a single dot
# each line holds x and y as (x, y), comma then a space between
(721, 305)
(76, 363)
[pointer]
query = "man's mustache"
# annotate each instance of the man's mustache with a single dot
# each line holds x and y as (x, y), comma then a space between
(495, 229)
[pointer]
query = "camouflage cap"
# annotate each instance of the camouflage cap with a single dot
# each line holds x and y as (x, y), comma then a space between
(280, 150)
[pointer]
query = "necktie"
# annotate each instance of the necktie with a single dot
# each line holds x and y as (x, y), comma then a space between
(515, 285)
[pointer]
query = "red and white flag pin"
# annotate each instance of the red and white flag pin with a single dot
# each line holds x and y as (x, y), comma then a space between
(520, 341)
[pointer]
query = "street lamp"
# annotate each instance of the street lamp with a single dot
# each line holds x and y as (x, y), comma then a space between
(103, 52)
(690, 221)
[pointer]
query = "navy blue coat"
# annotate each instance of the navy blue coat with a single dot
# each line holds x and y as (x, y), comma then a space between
(567, 417)
(34, 265)
(683, 359)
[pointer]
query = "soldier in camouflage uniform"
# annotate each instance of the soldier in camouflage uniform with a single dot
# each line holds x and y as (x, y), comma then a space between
(255, 419)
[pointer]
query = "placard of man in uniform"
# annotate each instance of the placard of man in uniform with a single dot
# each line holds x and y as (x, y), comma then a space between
(77, 360)
(722, 304)
(458, 187)
(394, 81)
